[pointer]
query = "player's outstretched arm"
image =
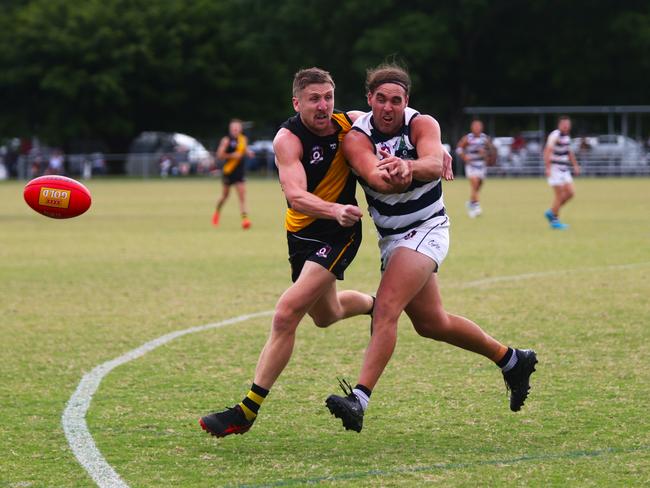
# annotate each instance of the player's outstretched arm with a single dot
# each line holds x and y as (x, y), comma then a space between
(293, 179)
(360, 154)
(425, 134)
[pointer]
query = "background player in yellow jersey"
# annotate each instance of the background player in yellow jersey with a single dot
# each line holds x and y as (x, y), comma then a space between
(323, 225)
(233, 148)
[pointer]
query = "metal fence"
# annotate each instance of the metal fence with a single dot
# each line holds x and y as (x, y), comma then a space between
(142, 165)
(151, 166)
(533, 165)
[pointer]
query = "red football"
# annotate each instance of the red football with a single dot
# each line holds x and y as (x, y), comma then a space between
(57, 197)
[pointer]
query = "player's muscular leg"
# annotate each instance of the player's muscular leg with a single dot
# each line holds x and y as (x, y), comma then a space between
(406, 273)
(333, 306)
(241, 193)
(568, 192)
(475, 184)
(430, 320)
(224, 195)
(289, 311)
(558, 200)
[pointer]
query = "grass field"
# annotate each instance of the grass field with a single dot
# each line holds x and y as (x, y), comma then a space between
(144, 262)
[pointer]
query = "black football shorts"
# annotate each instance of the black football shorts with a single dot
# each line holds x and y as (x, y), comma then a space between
(333, 252)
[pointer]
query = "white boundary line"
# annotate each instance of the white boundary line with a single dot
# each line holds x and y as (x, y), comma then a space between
(542, 274)
(74, 416)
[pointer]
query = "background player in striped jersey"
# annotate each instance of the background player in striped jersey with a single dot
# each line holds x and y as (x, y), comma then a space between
(477, 152)
(558, 160)
(323, 225)
(232, 149)
(399, 158)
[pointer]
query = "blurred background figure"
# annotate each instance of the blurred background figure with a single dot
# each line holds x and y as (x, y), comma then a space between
(167, 165)
(477, 151)
(183, 160)
(55, 165)
(232, 149)
(558, 160)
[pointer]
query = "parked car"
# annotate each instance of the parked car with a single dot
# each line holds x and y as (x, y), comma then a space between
(263, 156)
(613, 148)
(167, 153)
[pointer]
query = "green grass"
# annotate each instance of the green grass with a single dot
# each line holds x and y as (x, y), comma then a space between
(145, 261)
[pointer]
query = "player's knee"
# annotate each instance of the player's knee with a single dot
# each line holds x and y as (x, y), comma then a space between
(387, 312)
(387, 329)
(437, 327)
(286, 320)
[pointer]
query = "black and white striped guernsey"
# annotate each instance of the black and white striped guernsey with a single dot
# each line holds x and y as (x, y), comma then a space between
(399, 212)
(476, 149)
(561, 144)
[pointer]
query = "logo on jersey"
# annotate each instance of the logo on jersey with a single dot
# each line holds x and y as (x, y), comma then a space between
(316, 155)
(324, 251)
(401, 148)
(386, 148)
(333, 146)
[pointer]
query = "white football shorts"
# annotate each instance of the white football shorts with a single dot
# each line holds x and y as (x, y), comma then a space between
(475, 172)
(430, 239)
(560, 175)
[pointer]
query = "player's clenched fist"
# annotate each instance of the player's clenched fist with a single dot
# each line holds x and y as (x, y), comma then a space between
(348, 215)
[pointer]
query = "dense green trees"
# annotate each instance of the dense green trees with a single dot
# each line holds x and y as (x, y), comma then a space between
(108, 69)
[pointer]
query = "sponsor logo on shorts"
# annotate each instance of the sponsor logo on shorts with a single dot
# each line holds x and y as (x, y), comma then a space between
(316, 155)
(324, 251)
(410, 235)
(434, 244)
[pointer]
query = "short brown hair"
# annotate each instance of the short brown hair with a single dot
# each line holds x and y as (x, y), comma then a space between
(387, 73)
(310, 76)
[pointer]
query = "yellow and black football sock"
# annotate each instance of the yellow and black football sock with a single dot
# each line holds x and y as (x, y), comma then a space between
(252, 402)
(244, 215)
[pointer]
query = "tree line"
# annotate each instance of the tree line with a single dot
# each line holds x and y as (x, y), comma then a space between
(107, 69)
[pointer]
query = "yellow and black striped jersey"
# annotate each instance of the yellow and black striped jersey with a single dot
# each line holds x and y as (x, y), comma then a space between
(235, 144)
(328, 174)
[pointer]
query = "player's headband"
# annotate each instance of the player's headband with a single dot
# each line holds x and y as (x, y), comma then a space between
(397, 82)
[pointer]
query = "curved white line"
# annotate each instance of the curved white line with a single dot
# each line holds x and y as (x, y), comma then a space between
(74, 416)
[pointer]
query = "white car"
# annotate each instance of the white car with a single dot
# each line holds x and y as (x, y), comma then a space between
(197, 153)
(149, 148)
(610, 148)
